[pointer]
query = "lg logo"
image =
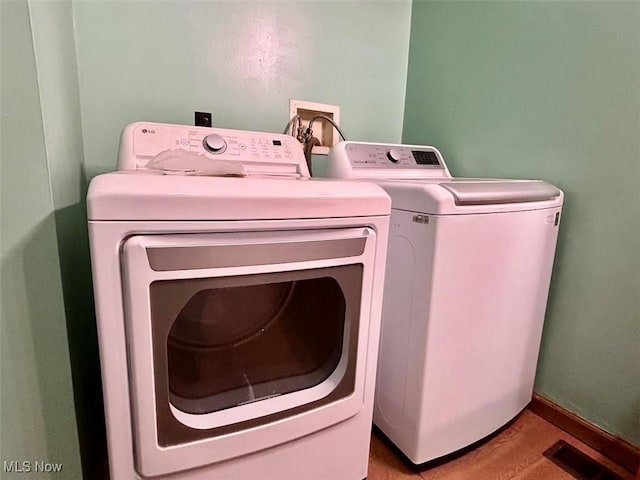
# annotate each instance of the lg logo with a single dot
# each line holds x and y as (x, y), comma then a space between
(148, 130)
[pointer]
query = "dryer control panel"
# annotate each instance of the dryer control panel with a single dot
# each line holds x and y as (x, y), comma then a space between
(258, 152)
(378, 160)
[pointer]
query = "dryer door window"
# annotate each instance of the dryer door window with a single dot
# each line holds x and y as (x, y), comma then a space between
(233, 345)
(240, 351)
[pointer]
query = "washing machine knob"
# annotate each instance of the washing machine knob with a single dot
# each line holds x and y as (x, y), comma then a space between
(214, 143)
(394, 155)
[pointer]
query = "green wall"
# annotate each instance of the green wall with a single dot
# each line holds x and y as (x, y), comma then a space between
(55, 53)
(37, 409)
(552, 90)
(240, 60)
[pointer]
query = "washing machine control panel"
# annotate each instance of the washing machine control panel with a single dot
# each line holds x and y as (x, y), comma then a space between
(366, 155)
(365, 160)
(276, 153)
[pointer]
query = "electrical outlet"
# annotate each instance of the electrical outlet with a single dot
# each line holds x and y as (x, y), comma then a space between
(202, 119)
(322, 129)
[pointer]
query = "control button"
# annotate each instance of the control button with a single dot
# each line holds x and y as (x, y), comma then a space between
(394, 155)
(184, 141)
(214, 143)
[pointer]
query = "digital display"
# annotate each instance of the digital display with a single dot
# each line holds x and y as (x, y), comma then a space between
(277, 142)
(425, 158)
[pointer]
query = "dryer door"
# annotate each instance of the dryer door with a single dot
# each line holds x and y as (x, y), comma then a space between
(241, 341)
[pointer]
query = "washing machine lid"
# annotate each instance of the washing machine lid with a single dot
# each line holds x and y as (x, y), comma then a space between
(459, 196)
(489, 193)
(133, 196)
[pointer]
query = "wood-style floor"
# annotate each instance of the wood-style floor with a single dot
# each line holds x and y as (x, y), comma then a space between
(514, 454)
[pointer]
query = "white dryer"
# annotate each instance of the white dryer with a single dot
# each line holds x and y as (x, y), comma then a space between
(238, 318)
(468, 272)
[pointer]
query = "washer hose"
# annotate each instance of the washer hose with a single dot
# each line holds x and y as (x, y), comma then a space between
(308, 147)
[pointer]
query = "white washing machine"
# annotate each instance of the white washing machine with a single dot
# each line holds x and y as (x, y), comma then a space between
(238, 318)
(468, 272)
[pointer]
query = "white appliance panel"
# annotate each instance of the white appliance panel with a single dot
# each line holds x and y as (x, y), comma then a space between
(139, 196)
(465, 298)
(260, 153)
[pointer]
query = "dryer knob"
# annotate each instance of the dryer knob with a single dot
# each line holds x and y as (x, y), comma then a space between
(394, 155)
(214, 143)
